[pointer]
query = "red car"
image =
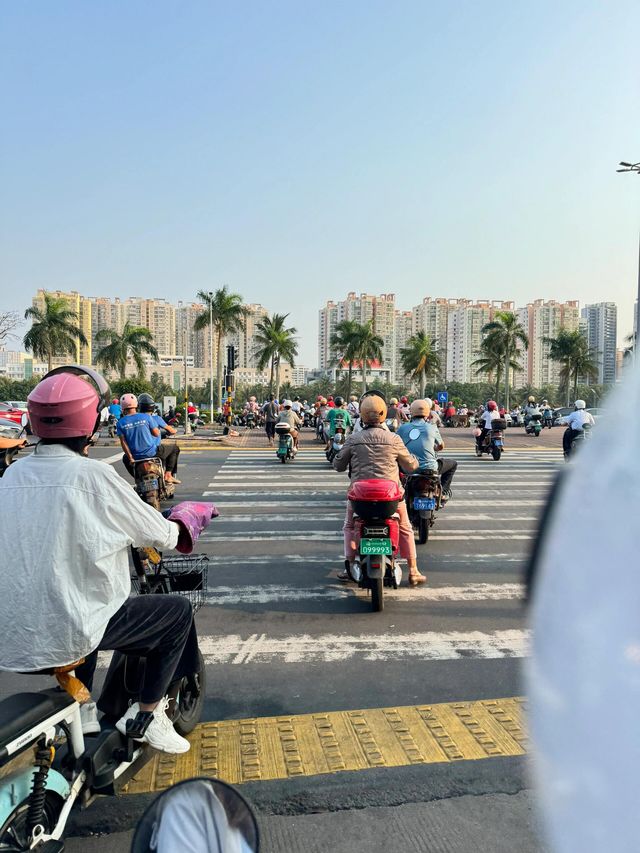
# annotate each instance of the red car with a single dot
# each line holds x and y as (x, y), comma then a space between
(11, 412)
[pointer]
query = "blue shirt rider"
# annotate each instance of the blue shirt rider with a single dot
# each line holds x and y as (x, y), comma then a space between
(423, 439)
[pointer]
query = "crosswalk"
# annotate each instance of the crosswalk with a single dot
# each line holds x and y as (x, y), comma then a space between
(277, 545)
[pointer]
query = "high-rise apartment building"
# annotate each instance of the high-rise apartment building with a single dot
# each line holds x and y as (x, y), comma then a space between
(327, 322)
(544, 320)
(600, 326)
(363, 308)
(82, 306)
(403, 331)
(464, 337)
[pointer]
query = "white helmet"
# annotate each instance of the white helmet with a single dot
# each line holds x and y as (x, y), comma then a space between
(580, 404)
(287, 404)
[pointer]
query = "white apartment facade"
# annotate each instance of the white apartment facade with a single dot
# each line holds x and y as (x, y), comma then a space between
(600, 326)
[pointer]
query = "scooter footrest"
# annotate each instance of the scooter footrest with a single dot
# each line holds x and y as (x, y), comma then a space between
(138, 726)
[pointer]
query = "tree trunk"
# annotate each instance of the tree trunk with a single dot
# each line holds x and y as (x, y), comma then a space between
(349, 379)
(423, 382)
(271, 377)
(364, 375)
(278, 378)
(219, 365)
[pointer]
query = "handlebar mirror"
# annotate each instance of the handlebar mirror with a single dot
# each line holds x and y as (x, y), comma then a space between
(24, 420)
(197, 814)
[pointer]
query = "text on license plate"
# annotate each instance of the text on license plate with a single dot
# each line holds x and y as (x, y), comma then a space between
(148, 485)
(424, 503)
(376, 546)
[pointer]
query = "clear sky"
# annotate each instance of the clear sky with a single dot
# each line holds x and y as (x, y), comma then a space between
(297, 150)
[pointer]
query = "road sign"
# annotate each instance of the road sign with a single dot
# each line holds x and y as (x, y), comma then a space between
(442, 397)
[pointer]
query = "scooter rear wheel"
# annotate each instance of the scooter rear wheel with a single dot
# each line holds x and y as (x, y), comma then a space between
(377, 599)
(423, 530)
(188, 693)
(14, 834)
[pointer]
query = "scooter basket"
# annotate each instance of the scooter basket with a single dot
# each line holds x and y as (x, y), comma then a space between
(499, 424)
(185, 575)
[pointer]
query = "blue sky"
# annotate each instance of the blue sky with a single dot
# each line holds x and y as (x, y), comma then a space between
(296, 151)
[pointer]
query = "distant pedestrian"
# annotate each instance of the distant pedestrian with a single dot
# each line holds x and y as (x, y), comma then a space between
(271, 414)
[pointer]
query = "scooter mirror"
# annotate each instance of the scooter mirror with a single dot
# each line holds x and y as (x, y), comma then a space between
(24, 420)
(198, 814)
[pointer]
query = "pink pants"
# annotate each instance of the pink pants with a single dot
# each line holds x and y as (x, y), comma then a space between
(407, 543)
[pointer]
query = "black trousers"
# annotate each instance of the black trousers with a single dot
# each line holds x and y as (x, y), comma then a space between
(480, 439)
(567, 437)
(270, 428)
(447, 468)
(159, 628)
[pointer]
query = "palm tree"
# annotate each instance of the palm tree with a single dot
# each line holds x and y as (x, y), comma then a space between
(275, 342)
(367, 348)
(120, 347)
(572, 351)
(504, 334)
(490, 362)
(54, 331)
(227, 313)
(343, 347)
(420, 358)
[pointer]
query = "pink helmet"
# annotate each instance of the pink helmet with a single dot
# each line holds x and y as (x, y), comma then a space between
(67, 402)
(129, 401)
(492, 405)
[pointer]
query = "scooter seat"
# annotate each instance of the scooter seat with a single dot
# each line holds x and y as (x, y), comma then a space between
(23, 711)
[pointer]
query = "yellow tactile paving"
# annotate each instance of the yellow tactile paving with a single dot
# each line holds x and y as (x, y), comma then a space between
(284, 747)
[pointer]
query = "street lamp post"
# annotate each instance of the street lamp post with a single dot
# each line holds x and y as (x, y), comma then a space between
(211, 357)
(634, 167)
(187, 422)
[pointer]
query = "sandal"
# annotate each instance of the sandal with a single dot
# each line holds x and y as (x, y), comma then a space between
(416, 578)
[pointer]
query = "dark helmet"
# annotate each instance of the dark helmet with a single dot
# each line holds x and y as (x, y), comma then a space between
(146, 403)
(338, 401)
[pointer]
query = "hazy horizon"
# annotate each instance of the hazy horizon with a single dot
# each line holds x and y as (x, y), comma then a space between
(298, 153)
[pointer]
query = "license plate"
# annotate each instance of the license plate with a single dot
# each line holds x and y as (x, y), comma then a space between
(424, 503)
(376, 546)
(498, 442)
(148, 485)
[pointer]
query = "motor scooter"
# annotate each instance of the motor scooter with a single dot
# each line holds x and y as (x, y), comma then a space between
(493, 443)
(150, 483)
(578, 440)
(423, 496)
(376, 536)
(534, 424)
(337, 443)
(69, 768)
(286, 449)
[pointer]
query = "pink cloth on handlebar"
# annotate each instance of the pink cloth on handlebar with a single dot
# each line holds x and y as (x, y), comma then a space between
(193, 517)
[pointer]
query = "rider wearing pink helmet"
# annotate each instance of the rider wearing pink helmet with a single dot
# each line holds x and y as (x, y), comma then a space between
(490, 414)
(69, 522)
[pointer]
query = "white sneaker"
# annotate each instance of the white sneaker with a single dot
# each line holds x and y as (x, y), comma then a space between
(160, 733)
(89, 718)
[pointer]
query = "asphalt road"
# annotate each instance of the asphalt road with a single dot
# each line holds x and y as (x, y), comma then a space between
(282, 636)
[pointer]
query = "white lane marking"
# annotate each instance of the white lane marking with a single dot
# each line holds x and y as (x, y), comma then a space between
(303, 648)
(340, 495)
(315, 535)
(271, 593)
(110, 460)
(328, 516)
(233, 560)
(300, 504)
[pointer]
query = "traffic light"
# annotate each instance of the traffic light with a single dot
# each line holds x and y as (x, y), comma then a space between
(232, 358)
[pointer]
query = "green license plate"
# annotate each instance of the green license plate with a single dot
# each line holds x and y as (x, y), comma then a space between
(376, 546)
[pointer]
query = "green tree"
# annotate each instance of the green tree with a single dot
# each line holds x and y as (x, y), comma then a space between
(275, 342)
(368, 348)
(504, 335)
(227, 313)
(572, 351)
(343, 344)
(120, 347)
(490, 362)
(54, 331)
(132, 385)
(420, 359)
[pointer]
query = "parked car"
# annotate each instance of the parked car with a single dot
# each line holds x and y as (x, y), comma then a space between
(11, 413)
(560, 413)
(596, 413)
